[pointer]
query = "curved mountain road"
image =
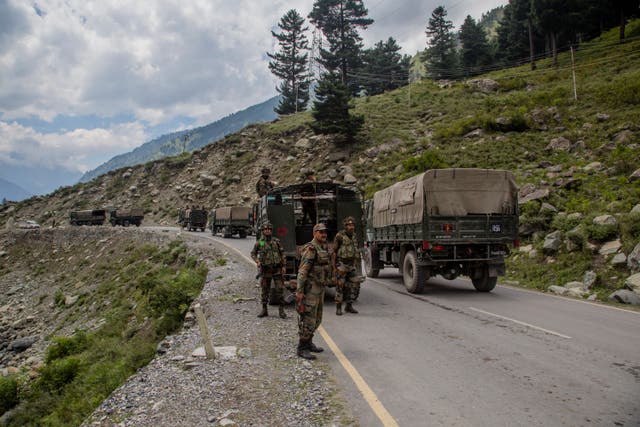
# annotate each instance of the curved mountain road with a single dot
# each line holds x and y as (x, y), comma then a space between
(452, 356)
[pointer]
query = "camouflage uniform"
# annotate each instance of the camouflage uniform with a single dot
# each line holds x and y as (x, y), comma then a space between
(348, 256)
(314, 274)
(264, 184)
(269, 252)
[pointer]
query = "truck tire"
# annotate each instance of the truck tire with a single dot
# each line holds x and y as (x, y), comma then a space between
(242, 234)
(484, 283)
(371, 262)
(125, 223)
(414, 277)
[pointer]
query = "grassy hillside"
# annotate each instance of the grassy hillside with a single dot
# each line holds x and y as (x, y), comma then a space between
(434, 124)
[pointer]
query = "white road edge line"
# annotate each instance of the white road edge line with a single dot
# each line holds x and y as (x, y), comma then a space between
(369, 396)
(520, 323)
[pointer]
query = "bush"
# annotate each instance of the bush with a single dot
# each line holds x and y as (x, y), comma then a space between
(8, 393)
(67, 346)
(427, 160)
(59, 373)
(602, 233)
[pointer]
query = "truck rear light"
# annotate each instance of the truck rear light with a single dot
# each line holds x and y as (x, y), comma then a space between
(447, 228)
(438, 248)
(516, 243)
(425, 245)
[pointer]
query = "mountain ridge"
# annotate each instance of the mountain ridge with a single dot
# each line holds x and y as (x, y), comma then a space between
(188, 140)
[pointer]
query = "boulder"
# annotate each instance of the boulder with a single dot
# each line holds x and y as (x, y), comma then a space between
(589, 279)
(623, 137)
(535, 195)
(575, 216)
(350, 179)
(560, 290)
(602, 117)
(633, 259)
(619, 260)
(552, 242)
(70, 299)
(577, 292)
(635, 176)
(303, 143)
(206, 180)
(593, 166)
(610, 248)
(337, 156)
(21, 344)
(333, 174)
(625, 296)
(635, 210)
(605, 220)
(559, 144)
(533, 254)
(633, 283)
(484, 85)
(574, 284)
(475, 133)
(548, 208)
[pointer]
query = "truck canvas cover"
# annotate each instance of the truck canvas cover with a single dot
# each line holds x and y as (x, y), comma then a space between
(445, 192)
(233, 213)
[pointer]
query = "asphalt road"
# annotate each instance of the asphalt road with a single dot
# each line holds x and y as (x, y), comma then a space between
(452, 356)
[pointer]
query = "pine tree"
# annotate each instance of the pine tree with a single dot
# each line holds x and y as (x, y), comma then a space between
(383, 68)
(339, 21)
(331, 108)
(441, 56)
(475, 51)
(513, 32)
(290, 64)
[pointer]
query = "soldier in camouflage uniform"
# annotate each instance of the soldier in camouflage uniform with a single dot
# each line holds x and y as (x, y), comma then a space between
(264, 184)
(269, 257)
(314, 275)
(345, 259)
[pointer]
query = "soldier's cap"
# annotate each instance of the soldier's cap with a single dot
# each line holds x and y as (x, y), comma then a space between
(309, 172)
(319, 227)
(267, 224)
(266, 171)
(349, 220)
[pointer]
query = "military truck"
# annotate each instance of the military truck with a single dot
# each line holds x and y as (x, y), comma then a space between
(125, 217)
(444, 221)
(88, 217)
(293, 210)
(193, 219)
(231, 220)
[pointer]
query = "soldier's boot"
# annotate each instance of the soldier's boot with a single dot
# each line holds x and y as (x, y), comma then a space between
(264, 312)
(314, 348)
(349, 309)
(339, 308)
(281, 312)
(303, 350)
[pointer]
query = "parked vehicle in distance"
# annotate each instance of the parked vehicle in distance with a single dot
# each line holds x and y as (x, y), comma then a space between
(88, 217)
(231, 220)
(28, 225)
(196, 219)
(449, 222)
(293, 210)
(126, 217)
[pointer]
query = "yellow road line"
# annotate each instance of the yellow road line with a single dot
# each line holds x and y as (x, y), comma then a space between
(368, 394)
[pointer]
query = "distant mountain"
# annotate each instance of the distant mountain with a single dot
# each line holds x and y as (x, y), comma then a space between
(11, 191)
(188, 140)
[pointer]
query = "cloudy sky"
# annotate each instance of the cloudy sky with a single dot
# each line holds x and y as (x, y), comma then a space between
(82, 81)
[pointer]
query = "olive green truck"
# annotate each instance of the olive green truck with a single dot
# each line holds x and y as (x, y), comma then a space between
(446, 222)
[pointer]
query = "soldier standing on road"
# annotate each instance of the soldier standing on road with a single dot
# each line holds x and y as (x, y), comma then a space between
(345, 259)
(314, 275)
(264, 184)
(269, 257)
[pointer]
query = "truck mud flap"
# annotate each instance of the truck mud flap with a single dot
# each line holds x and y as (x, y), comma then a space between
(496, 269)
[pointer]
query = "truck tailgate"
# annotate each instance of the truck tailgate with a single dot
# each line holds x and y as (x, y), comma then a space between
(478, 228)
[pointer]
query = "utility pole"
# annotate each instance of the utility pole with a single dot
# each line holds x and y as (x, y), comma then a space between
(573, 71)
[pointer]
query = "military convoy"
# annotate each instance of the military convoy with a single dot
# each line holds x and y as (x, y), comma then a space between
(126, 217)
(231, 220)
(293, 210)
(193, 219)
(88, 217)
(444, 221)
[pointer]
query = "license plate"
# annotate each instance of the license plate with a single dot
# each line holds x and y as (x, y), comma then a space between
(496, 228)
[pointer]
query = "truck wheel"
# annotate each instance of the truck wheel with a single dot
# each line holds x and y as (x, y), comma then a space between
(484, 283)
(414, 277)
(242, 234)
(371, 260)
(125, 223)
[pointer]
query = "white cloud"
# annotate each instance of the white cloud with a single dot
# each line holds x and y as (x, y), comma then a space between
(75, 150)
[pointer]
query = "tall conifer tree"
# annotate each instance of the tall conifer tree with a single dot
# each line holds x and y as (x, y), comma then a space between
(383, 68)
(441, 56)
(475, 51)
(290, 63)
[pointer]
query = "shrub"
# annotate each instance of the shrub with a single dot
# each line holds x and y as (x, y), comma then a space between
(427, 160)
(67, 346)
(8, 393)
(602, 233)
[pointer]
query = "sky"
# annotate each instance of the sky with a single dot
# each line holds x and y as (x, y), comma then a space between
(82, 81)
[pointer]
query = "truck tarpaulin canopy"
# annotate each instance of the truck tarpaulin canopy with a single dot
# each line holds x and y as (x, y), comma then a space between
(446, 192)
(233, 213)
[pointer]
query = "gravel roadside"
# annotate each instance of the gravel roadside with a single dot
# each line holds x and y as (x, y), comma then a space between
(263, 383)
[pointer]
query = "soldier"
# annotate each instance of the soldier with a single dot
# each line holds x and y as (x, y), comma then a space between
(264, 184)
(308, 193)
(269, 257)
(314, 275)
(345, 259)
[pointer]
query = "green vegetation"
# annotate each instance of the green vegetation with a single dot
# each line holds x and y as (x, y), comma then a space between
(143, 296)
